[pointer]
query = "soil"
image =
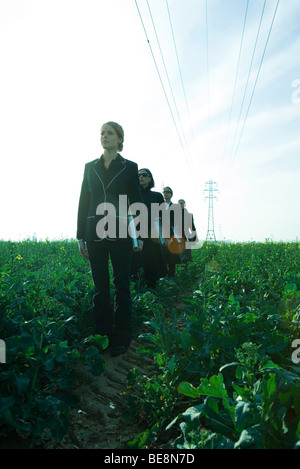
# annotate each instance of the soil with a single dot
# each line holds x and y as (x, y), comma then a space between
(99, 421)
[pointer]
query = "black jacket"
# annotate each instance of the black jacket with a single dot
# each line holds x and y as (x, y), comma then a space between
(151, 197)
(102, 185)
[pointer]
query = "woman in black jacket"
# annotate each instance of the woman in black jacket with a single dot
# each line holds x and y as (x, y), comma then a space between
(150, 259)
(108, 183)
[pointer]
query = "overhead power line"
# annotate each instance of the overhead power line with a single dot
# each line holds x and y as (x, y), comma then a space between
(180, 73)
(166, 71)
(160, 78)
(257, 75)
(236, 76)
(207, 71)
(247, 82)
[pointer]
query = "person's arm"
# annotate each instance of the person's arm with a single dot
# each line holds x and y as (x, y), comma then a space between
(189, 226)
(135, 195)
(82, 214)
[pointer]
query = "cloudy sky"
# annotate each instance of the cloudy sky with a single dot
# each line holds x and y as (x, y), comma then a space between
(204, 91)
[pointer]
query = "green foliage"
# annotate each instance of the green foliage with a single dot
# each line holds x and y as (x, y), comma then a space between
(223, 375)
(218, 336)
(45, 295)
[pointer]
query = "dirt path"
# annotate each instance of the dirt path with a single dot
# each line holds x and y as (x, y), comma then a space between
(99, 420)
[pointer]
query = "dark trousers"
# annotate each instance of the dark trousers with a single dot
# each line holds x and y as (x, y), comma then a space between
(114, 323)
(151, 260)
(171, 270)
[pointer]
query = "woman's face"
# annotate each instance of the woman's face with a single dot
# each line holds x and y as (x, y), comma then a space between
(144, 178)
(109, 138)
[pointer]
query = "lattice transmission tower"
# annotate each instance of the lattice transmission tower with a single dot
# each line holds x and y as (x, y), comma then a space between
(210, 236)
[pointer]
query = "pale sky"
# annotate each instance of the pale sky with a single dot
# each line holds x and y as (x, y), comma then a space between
(68, 66)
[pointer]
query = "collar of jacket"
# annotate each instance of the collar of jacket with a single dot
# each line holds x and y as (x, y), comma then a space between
(119, 158)
(119, 167)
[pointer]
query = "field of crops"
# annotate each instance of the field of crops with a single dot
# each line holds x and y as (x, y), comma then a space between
(222, 339)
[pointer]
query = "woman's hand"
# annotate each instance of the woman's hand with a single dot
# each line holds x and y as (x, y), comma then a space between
(82, 249)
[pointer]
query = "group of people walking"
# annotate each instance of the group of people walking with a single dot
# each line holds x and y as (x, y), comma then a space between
(152, 256)
(160, 254)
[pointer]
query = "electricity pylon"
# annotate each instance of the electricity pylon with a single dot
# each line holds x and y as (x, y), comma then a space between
(210, 236)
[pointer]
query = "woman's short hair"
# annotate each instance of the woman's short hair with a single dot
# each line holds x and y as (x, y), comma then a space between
(119, 131)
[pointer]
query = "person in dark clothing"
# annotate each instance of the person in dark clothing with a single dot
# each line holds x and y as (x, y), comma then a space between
(149, 263)
(173, 248)
(189, 232)
(106, 180)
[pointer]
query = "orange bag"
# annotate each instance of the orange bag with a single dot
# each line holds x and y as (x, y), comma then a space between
(175, 245)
